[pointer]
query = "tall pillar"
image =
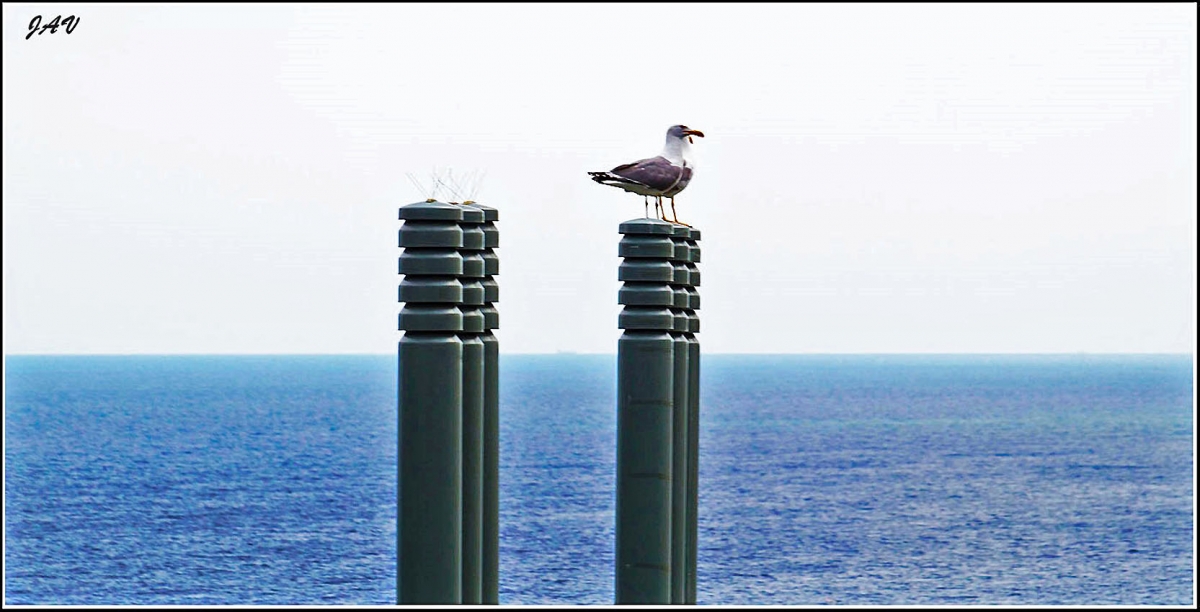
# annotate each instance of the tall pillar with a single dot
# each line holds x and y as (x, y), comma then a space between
(429, 401)
(645, 394)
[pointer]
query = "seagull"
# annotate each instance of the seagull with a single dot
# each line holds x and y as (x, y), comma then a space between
(662, 176)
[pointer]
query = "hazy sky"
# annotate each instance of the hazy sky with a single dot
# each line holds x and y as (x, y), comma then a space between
(875, 178)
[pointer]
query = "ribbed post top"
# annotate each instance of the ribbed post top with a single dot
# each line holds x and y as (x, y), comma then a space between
(431, 264)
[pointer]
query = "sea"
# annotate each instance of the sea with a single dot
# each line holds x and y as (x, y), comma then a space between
(824, 480)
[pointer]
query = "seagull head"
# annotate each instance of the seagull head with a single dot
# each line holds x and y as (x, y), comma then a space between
(683, 131)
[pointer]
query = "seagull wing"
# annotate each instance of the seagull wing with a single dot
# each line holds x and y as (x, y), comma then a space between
(657, 173)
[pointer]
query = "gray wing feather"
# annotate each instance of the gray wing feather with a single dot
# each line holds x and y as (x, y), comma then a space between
(656, 173)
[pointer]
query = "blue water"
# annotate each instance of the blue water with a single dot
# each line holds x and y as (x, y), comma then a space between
(824, 480)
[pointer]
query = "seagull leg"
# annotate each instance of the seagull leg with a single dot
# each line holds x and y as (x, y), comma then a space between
(646, 207)
(675, 215)
(659, 208)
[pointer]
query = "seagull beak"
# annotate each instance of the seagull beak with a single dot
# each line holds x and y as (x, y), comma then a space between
(690, 133)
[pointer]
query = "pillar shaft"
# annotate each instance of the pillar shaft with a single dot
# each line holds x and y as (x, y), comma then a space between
(429, 525)
(645, 364)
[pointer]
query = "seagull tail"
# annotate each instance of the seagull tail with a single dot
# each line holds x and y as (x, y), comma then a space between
(608, 178)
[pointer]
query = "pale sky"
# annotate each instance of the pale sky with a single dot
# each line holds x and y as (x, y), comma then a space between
(875, 178)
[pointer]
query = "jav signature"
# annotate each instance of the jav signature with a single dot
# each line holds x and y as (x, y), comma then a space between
(68, 25)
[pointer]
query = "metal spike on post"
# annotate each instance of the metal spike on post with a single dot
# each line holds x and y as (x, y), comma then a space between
(472, 403)
(429, 402)
(693, 418)
(645, 392)
(491, 410)
(679, 439)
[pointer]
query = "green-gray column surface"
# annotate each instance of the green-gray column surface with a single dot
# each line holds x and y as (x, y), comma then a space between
(491, 409)
(693, 420)
(679, 439)
(472, 404)
(429, 401)
(645, 401)
(490, 579)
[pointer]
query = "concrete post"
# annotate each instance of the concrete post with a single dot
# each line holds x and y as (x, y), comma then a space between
(429, 401)
(491, 410)
(645, 392)
(693, 417)
(472, 403)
